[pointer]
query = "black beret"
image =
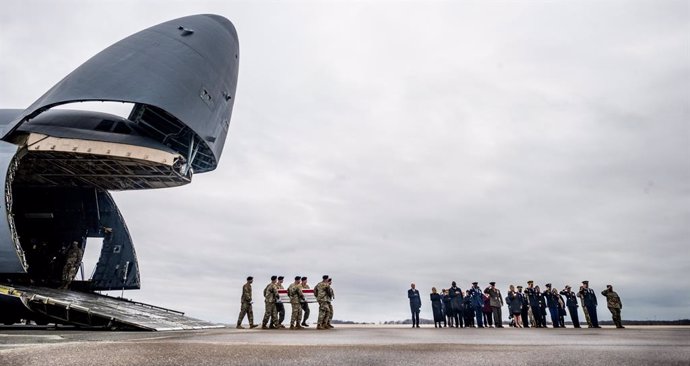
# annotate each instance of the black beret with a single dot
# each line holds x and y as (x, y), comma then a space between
(325, 277)
(492, 283)
(548, 285)
(304, 278)
(280, 277)
(250, 278)
(297, 278)
(273, 278)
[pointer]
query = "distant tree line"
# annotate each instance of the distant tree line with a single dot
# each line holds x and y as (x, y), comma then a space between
(606, 322)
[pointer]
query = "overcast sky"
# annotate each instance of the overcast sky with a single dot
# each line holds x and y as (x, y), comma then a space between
(387, 142)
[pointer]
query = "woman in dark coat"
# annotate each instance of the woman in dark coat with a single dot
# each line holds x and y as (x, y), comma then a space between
(515, 306)
(541, 311)
(561, 308)
(456, 304)
(468, 310)
(437, 307)
(487, 312)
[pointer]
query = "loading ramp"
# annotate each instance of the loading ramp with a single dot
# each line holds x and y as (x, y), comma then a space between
(95, 310)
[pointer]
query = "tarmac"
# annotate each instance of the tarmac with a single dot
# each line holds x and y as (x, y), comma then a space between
(348, 345)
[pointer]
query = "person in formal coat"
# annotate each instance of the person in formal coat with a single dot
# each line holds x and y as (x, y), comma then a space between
(447, 310)
(561, 308)
(455, 294)
(524, 314)
(541, 307)
(515, 305)
(437, 308)
(415, 304)
(468, 310)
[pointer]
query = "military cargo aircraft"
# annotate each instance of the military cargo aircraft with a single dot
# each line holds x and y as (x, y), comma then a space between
(58, 165)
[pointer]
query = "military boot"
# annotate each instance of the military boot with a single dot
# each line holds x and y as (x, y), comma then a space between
(298, 326)
(292, 327)
(252, 326)
(263, 326)
(239, 326)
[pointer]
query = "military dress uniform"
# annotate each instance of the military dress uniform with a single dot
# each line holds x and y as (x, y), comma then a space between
(613, 302)
(590, 299)
(533, 305)
(552, 304)
(496, 302)
(571, 303)
(584, 308)
(477, 302)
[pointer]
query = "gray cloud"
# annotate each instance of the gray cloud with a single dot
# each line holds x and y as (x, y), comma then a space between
(390, 142)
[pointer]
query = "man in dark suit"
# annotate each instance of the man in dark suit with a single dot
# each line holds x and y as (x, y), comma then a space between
(415, 304)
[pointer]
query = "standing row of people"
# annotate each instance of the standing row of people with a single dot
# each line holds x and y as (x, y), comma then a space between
(476, 308)
(274, 313)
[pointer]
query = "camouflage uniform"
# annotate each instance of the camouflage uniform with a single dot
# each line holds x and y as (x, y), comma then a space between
(613, 302)
(72, 262)
(321, 291)
(305, 305)
(246, 307)
(270, 296)
(280, 307)
(296, 297)
(331, 296)
(584, 308)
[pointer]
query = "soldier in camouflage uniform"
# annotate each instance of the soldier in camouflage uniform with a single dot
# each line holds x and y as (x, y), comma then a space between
(270, 297)
(613, 302)
(296, 297)
(246, 307)
(330, 297)
(321, 292)
(584, 308)
(73, 258)
(305, 305)
(280, 307)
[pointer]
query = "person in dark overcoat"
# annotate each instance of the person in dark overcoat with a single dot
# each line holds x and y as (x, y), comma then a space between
(437, 308)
